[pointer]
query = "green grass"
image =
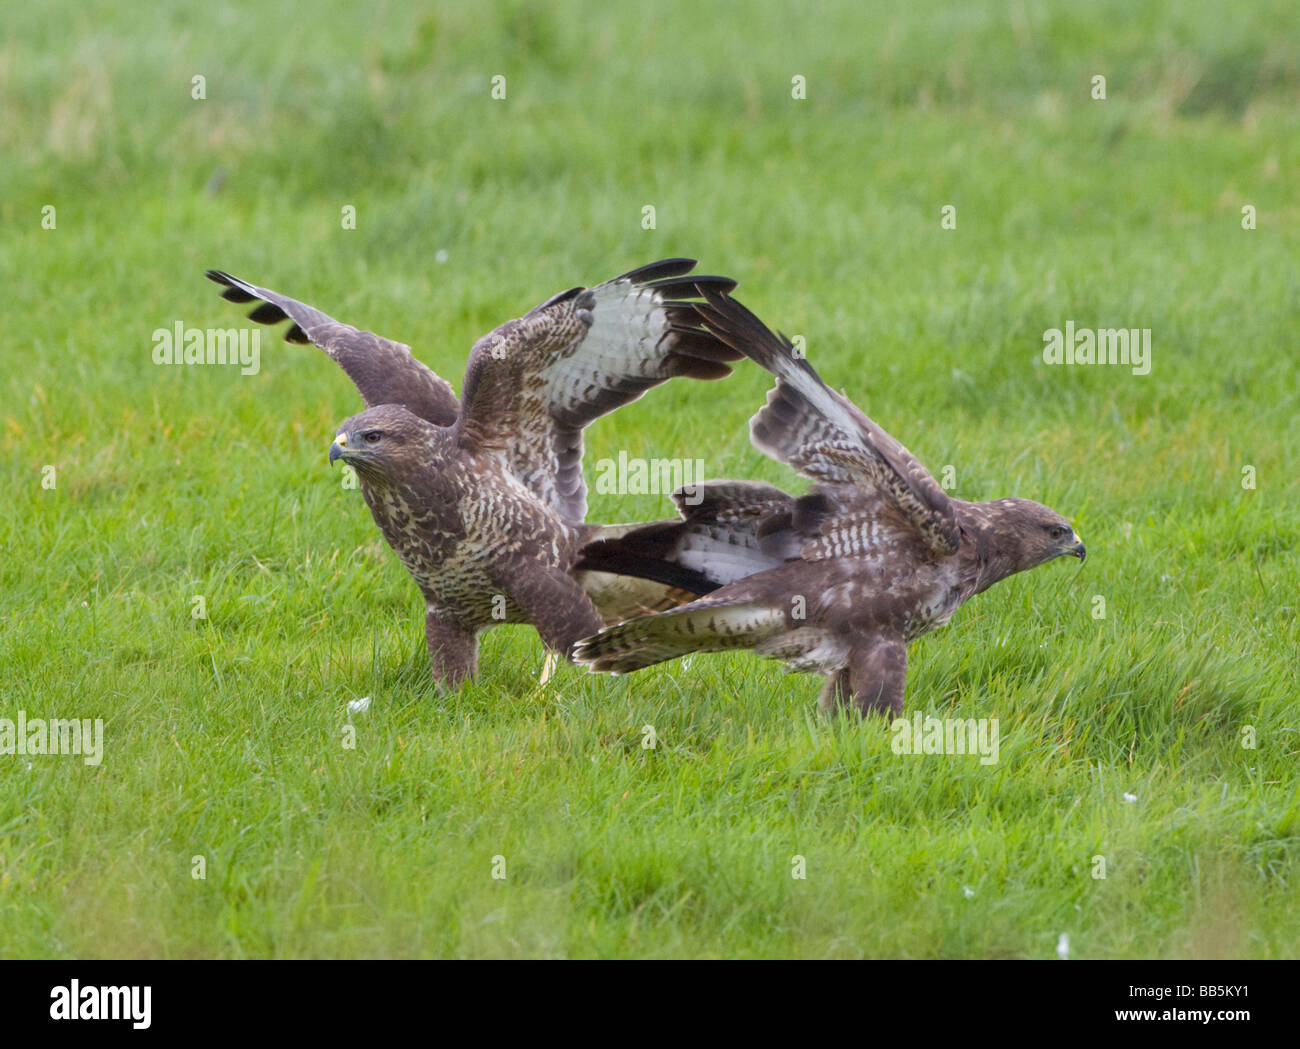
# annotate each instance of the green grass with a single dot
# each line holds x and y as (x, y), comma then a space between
(224, 737)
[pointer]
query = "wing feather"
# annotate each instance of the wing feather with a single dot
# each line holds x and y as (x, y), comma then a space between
(535, 383)
(383, 371)
(827, 438)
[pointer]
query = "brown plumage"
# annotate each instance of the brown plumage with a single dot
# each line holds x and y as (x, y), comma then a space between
(835, 582)
(483, 499)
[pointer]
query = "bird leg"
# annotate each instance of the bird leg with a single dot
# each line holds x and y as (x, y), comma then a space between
(878, 672)
(453, 650)
(836, 692)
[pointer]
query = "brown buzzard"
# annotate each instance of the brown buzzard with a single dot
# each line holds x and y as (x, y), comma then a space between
(484, 499)
(837, 581)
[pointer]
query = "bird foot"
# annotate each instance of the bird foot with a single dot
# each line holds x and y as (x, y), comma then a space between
(548, 666)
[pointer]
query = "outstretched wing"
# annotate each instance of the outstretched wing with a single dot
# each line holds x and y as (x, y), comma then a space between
(385, 372)
(825, 436)
(532, 385)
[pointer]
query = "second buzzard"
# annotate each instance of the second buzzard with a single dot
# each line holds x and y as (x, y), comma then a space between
(835, 582)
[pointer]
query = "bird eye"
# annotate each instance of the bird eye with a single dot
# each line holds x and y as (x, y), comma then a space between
(372, 436)
(1058, 531)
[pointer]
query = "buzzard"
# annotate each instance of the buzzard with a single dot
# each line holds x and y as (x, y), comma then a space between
(483, 499)
(837, 581)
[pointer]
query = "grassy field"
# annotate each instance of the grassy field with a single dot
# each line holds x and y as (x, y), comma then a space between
(1122, 737)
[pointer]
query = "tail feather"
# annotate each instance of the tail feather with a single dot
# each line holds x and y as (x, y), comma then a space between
(708, 625)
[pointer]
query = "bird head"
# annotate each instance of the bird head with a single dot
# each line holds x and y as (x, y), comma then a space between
(1029, 534)
(375, 441)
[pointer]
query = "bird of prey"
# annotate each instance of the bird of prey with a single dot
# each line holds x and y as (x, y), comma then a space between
(837, 581)
(483, 499)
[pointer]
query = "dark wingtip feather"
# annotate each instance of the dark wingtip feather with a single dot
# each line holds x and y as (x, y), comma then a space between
(296, 334)
(738, 327)
(692, 286)
(233, 292)
(681, 366)
(659, 270)
(267, 313)
(691, 342)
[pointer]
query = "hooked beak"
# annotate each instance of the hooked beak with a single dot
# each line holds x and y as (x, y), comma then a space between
(338, 447)
(1078, 549)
